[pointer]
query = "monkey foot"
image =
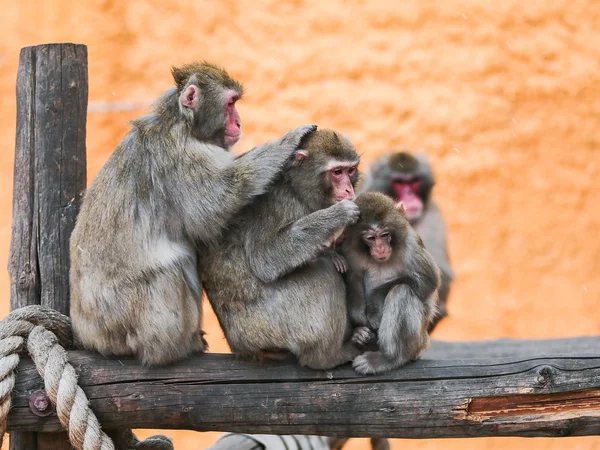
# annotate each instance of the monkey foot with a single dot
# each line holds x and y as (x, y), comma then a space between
(374, 362)
(362, 336)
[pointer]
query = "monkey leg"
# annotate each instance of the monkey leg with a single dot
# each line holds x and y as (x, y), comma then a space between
(380, 444)
(326, 357)
(376, 443)
(401, 335)
(170, 305)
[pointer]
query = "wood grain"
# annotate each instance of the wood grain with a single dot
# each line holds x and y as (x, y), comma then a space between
(536, 388)
(49, 183)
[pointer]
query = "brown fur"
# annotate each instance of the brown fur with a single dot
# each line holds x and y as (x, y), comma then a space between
(169, 185)
(204, 71)
(267, 282)
(431, 226)
(395, 298)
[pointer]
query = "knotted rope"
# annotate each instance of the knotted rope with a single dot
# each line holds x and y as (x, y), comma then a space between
(45, 333)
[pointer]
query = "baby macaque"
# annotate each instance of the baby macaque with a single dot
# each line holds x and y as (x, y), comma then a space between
(392, 283)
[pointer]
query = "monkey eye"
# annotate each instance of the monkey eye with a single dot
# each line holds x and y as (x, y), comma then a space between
(385, 234)
(337, 171)
(351, 171)
(370, 237)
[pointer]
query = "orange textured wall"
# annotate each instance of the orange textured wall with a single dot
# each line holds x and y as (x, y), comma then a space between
(505, 95)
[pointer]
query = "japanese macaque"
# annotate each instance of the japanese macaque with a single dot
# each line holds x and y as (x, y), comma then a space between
(408, 179)
(392, 283)
(270, 283)
(170, 184)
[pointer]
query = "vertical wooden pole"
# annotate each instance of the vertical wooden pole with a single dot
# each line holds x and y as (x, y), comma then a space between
(49, 183)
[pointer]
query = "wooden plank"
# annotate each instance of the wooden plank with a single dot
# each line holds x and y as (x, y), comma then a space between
(451, 397)
(49, 182)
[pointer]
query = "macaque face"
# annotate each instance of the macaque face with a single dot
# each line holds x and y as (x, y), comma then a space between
(342, 177)
(233, 123)
(379, 241)
(407, 192)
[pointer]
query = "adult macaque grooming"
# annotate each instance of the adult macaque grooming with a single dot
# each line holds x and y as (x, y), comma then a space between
(170, 184)
(408, 179)
(268, 281)
(392, 283)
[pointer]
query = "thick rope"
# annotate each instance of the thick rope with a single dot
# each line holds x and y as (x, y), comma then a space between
(45, 332)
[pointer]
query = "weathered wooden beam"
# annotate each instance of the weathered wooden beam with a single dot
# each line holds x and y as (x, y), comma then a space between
(494, 388)
(49, 183)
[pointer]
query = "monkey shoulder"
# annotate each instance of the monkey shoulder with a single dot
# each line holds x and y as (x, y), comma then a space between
(432, 227)
(209, 156)
(432, 230)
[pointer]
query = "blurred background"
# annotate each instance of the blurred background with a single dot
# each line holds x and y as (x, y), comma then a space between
(504, 96)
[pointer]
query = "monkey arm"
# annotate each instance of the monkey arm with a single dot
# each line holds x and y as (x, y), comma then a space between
(222, 190)
(294, 245)
(357, 309)
(432, 229)
(258, 167)
(420, 268)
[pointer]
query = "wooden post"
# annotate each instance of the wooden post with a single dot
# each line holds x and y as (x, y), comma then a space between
(49, 183)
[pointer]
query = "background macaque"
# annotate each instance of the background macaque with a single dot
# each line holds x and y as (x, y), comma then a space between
(408, 179)
(392, 283)
(268, 281)
(170, 183)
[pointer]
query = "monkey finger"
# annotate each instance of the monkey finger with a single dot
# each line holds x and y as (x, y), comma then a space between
(339, 266)
(339, 262)
(351, 211)
(362, 336)
(344, 267)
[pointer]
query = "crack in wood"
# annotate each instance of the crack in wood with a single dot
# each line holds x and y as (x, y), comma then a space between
(567, 404)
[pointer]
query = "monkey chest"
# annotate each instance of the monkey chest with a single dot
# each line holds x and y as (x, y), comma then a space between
(379, 280)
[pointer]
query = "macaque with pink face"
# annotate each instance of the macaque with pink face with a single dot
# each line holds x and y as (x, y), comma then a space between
(171, 187)
(271, 281)
(408, 179)
(391, 283)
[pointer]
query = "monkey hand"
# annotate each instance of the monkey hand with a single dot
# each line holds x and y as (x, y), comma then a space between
(292, 139)
(339, 262)
(362, 336)
(345, 212)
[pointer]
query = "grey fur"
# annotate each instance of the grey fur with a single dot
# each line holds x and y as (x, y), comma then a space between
(268, 282)
(396, 298)
(135, 289)
(430, 226)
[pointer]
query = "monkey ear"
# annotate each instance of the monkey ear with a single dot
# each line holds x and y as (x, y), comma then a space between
(190, 96)
(299, 157)
(400, 208)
